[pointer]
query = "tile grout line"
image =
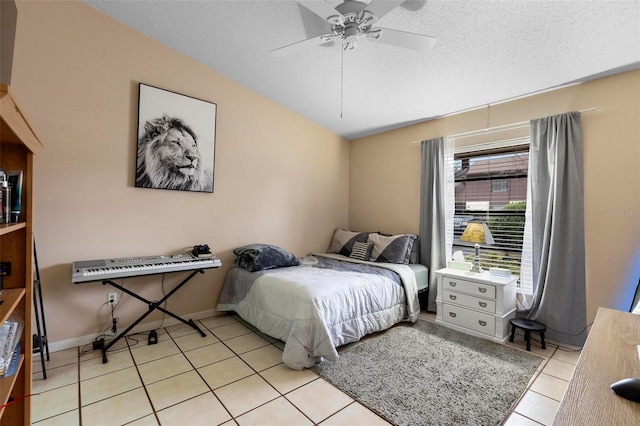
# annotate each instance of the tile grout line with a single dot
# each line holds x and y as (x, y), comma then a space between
(196, 370)
(135, 365)
(283, 395)
(144, 387)
(537, 374)
(280, 394)
(79, 391)
(128, 348)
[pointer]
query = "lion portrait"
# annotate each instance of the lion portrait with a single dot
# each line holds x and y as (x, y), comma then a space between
(168, 157)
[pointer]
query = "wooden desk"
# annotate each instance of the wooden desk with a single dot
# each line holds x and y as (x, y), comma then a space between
(610, 354)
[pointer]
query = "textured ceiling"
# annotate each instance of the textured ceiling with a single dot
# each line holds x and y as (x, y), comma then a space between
(487, 52)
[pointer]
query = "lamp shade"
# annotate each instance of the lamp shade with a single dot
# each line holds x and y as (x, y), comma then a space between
(477, 232)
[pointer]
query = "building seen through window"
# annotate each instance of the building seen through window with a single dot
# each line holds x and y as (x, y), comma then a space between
(491, 187)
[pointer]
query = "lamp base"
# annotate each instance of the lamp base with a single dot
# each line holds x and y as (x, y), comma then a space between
(476, 261)
(476, 268)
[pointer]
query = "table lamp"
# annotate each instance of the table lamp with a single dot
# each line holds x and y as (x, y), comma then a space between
(477, 232)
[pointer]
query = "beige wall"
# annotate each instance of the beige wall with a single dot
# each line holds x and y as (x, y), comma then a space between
(279, 178)
(385, 174)
(76, 73)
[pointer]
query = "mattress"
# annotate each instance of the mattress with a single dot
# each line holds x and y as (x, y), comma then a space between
(326, 302)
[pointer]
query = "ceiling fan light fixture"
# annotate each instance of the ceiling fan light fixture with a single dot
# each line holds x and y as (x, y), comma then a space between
(351, 33)
(329, 37)
(336, 20)
(366, 19)
(374, 33)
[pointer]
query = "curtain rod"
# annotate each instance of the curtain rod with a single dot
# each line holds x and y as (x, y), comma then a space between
(512, 126)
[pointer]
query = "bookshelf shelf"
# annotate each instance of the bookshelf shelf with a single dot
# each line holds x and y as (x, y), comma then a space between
(10, 299)
(7, 384)
(11, 227)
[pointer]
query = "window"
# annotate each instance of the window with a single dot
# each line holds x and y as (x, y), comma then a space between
(499, 185)
(491, 187)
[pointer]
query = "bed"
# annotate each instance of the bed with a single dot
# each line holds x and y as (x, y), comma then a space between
(322, 301)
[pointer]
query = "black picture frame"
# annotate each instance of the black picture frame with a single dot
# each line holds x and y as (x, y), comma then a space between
(176, 141)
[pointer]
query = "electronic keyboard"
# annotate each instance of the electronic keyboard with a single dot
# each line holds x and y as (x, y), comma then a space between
(106, 269)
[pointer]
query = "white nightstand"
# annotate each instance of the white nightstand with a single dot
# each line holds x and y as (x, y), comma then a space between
(476, 303)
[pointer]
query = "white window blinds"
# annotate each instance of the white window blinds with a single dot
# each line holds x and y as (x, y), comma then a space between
(490, 186)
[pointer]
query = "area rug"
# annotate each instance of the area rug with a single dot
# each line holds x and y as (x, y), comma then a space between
(427, 374)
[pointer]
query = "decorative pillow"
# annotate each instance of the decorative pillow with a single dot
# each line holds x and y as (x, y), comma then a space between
(257, 257)
(391, 249)
(361, 251)
(343, 240)
(415, 251)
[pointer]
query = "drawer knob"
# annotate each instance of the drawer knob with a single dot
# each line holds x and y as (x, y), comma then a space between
(452, 314)
(452, 297)
(482, 289)
(482, 304)
(452, 283)
(482, 323)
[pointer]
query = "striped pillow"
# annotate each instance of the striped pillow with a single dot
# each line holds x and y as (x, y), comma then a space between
(343, 240)
(361, 251)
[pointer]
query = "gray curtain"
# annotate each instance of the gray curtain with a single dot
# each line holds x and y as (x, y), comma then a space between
(557, 225)
(432, 213)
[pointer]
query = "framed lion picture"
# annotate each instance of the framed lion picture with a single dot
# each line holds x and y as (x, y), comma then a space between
(176, 141)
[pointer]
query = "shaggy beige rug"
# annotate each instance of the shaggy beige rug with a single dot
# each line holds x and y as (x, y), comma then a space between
(426, 374)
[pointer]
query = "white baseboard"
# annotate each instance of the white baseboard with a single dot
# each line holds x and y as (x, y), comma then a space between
(168, 321)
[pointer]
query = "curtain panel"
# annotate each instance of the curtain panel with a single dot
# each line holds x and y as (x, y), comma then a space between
(555, 228)
(436, 205)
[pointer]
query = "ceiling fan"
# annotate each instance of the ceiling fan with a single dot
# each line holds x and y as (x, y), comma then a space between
(353, 20)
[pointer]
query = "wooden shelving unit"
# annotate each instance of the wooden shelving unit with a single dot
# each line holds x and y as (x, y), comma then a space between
(18, 144)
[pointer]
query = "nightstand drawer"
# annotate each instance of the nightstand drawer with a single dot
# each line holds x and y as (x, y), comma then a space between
(476, 289)
(477, 321)
(472, 302)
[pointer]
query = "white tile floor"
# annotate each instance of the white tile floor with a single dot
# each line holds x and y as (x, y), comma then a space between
(232, 376)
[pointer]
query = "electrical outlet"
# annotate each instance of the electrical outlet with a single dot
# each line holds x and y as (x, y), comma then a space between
(112, 297)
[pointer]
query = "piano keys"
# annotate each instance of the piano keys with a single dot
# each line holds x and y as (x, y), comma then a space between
(105, 269)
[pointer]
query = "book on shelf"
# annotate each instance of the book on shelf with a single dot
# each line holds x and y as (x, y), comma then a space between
(10, 333)
(12, 368)
(15, 183)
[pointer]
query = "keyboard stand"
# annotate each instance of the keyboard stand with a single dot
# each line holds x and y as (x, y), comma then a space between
(152, 307)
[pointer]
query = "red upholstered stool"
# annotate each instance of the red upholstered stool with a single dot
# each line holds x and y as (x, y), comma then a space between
(528, 326)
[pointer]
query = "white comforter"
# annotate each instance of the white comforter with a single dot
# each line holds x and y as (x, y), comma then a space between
(315, 310)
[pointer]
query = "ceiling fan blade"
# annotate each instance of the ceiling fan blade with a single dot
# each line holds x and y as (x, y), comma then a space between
(323, 10)
(419, 42)
(302, 45)
(382, 7)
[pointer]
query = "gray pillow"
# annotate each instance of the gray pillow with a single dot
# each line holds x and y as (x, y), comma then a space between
(415, 251)
(391, 249)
